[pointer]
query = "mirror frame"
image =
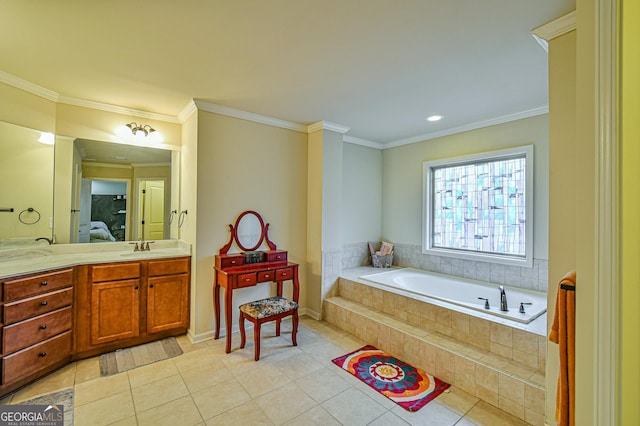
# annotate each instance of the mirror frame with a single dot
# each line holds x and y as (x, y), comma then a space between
(264, 234)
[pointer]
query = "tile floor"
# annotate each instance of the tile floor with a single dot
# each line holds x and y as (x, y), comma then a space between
(289, 385)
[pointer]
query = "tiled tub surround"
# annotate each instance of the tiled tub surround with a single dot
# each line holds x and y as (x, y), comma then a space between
(498, 362)
(410, 256)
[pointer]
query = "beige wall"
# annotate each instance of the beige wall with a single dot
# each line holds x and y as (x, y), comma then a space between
(630, 194)
(27, 110)
(562, 184)
(361, 194)
(243, 165)
(402, 176)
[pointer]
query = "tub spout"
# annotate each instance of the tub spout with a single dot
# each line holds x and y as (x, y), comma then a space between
(503, 299)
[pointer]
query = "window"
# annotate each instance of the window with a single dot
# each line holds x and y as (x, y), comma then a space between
(480, 206)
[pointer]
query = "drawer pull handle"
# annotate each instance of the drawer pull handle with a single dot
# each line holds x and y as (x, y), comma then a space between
(44, 303)
(247, 279)
(136, 287)
(44, 283)
(43, 327)
(233, 262)
(42, 354)
(151, 286)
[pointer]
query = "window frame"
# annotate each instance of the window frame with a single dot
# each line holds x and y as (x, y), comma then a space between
(488, 156)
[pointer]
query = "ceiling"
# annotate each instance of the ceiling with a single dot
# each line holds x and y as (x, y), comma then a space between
(378, 67)
(123, 154)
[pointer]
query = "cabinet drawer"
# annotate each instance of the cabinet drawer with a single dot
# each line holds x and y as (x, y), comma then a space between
(284, 274)
(265, 276)
(34, 330)
(115, 272)
(276, 255)
(247, 280)
(168, 267)
(37, 284)
(35, 358)
(37, 305)
(228, 261)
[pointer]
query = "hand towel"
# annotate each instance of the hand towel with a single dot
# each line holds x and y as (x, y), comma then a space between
(563, 332)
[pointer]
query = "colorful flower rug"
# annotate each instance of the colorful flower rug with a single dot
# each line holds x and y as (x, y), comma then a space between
(407, 386)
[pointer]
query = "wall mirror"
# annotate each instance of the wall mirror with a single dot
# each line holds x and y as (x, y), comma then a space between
(98, 191)
(118, 192)
(26, 181)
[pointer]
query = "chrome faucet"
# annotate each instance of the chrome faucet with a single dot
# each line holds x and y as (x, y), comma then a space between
(49, 240)
(503, 299)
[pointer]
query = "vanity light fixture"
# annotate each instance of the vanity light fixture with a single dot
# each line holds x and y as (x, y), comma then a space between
(433, 118)
(135, 128)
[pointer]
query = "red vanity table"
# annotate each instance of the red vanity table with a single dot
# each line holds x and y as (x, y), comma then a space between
(232, 272)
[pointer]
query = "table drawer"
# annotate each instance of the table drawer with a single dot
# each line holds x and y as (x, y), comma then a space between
(276, 255)
(37, 305)
(227, 261)
(284, 274)
(115, 272)
(35, 358)
(266, 276)
(36, 284)
(247, 280)
(34, 330)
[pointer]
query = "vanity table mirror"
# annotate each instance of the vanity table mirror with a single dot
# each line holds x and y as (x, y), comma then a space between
(26, 180)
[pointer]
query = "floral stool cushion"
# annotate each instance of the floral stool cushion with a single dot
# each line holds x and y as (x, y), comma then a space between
(268, 307)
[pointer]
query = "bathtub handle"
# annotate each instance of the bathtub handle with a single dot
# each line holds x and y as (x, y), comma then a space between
(522, 306)
(486, 302)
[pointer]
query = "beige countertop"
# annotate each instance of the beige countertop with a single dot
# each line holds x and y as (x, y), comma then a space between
(40, 258)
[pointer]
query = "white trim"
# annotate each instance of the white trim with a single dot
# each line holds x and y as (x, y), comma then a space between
(116, 109)
(556, 28)
(363, 142)
(150, 165)
(311, 313)
(90, 163)
(542, 42)
(472, 126)
(186, 112)
(606, 330)
(249, 116)
(200, 337)
(27, 86)
(427, 231)
(327, 125)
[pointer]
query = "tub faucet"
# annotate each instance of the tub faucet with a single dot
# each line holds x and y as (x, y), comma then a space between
(503, 299)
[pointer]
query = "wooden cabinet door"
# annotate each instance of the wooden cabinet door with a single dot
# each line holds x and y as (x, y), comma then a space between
(115, 311)
(167, 303)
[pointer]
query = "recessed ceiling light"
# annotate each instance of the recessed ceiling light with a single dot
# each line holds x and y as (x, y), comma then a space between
(436, 117)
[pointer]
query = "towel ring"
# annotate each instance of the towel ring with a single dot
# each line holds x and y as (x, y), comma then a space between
(183, 214)
(172, 215)
(27, 211)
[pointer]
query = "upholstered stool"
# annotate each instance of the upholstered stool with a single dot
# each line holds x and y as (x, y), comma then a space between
(265, 310)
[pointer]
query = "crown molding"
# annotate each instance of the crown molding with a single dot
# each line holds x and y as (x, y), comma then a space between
(27, 86)
(472, 126)
(555, 28)
(107, 165)
(141, 165)
(187, 111)
(327, 125)
(249, 116)
(363, 142)
(117, 109)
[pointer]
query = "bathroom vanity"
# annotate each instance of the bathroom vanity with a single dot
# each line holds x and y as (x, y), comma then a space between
(87, 304)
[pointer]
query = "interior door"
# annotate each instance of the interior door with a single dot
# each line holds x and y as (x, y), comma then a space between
(152, 212)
